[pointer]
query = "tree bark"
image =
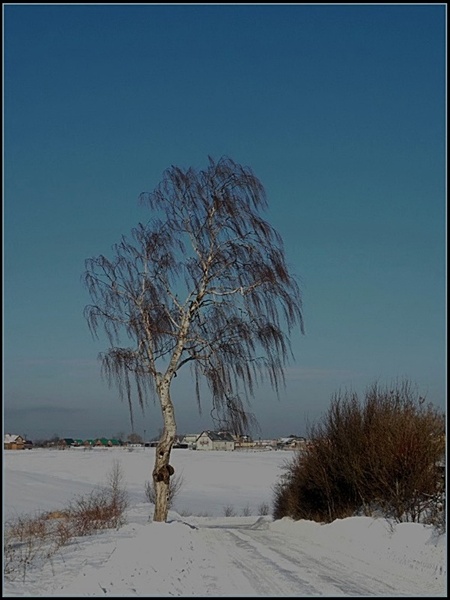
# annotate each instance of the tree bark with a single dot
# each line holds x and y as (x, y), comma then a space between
(163, 470)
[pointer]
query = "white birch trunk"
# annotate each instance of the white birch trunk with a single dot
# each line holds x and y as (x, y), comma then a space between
(163, 470)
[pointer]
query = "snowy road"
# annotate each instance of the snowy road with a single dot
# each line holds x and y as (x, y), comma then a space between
(275, 563)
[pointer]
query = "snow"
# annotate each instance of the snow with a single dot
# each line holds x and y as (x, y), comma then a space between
(202, 552)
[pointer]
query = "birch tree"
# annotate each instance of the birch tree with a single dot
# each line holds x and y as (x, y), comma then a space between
(203, 284)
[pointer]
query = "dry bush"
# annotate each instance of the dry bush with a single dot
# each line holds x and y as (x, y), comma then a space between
(380, 455)
(246, 511)
(23, 528)
(92, 512)
(263, 508)
(175, 484)
(229, 511)
(31, 541)
(103, 508)
(25, 542)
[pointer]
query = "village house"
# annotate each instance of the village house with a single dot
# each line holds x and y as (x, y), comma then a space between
(13, 442)
(191, 440)
(292, 442)
(266, 444)
(243, 442)
(65, 443)
(110, 442)
(215, 440)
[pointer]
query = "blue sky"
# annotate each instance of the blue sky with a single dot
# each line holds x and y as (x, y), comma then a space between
(340, 112)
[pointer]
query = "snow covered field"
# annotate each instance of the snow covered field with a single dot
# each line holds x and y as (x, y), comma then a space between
(202, 552)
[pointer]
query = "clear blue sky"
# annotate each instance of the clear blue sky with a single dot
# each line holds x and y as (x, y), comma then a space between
(340, 112)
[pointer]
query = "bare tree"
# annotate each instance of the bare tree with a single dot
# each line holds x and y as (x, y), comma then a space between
(135, 438)
(204, 283)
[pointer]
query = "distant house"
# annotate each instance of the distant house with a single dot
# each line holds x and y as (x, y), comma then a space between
(13, 442)
(292, 442)
(66, 442)
(215, 440)
(179, 442)
(190, 439)
(244, 442)
(267, 444)
(105, 442)
(180, 445)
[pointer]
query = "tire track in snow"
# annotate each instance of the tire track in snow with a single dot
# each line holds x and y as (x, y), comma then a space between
(277, 565)
(399, 577)
(320, 569)
(260, 564)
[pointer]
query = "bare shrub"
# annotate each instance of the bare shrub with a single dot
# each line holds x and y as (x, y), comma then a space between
(175, 484)
(25, 542)
(63, 533)
(118, 494)
(229, 511)
(434, 511)
(381, 454)
(103, 508)
(263, 509)
(91, 512)
(23, 528)
(31, 541)
(246, 511)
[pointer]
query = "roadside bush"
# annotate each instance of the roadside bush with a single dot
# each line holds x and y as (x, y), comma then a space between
(29, 542)
(246, 511)
(263, 509)
(229, 511)
(380, 456)
(103, 508)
